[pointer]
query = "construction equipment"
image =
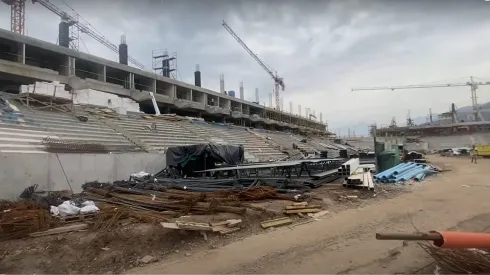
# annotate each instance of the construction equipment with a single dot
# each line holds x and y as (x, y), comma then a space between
(278, 81)
(472, 84)
(18, 21)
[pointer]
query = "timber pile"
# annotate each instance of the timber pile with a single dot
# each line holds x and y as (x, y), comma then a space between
(174, 203)
(301, 208)
(224, 227)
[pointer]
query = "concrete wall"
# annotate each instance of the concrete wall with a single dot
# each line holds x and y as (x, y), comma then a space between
(18, 171)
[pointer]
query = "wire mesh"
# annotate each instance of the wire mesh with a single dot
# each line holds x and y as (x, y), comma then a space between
(53, 145)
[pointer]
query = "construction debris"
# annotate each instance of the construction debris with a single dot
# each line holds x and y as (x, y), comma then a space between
(146, 259)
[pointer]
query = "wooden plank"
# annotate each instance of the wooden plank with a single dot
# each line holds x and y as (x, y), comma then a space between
(276, 222)
(300, 203)
(218, 223)
(319, 214)
(229, 230)
(218, 228)
(59, 230)
(296, 211)
(234, 222)
(292, 207)
(194, 226)
(170, 225)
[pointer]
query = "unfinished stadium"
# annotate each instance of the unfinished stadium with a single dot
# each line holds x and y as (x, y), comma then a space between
(63, 106)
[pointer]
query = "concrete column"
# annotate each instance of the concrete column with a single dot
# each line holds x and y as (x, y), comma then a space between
(192, 98)
(131, 81)
(69, 67)
(229, 104)
(153, 87)
(102, 74)
(241, 108)
(21, 54)
(173, 91)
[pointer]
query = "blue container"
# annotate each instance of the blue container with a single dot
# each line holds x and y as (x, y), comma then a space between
(231, 93)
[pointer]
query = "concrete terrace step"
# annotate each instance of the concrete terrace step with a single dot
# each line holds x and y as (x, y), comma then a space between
(143, 127)
(22, 151)
(55, 128)
(166, 136)
(75, 126)
(42, 135)
(23, 135)
(62, 119)
(21, 146)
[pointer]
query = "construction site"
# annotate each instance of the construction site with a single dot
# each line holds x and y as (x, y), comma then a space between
(111, 167)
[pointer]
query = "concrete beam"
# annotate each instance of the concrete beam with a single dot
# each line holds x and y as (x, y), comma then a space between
(31, 72)
(107, 87)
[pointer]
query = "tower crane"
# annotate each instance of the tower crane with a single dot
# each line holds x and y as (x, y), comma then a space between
(278, 81)
(17, 21)
(472, 84)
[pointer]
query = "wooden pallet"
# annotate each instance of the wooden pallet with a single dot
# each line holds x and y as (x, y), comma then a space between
(77, 218)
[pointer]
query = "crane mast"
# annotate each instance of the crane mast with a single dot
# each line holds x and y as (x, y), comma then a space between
(18, 21)
(472, 84)
(278, 81)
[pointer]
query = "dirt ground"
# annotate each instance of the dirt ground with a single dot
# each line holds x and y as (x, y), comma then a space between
(341, 242)
(344, 242)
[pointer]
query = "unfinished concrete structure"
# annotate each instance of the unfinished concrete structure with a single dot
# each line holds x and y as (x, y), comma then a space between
(24, 60)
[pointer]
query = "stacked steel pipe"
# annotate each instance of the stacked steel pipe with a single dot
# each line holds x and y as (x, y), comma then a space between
(404, 172)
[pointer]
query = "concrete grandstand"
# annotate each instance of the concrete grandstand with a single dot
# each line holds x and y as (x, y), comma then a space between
(25, 129)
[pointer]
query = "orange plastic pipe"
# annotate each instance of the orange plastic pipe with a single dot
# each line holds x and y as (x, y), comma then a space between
(462, 240)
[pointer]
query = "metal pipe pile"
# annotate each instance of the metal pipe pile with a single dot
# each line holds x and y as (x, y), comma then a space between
(347, 168)
(404, 172)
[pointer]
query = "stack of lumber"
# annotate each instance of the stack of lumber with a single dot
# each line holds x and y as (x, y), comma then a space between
(223, 227)
(302, 207)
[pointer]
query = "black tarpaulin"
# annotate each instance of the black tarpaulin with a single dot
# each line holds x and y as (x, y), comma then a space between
(203, 156)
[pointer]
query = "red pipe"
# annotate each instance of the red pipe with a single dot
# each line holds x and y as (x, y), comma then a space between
(462, 240)
(443, 239)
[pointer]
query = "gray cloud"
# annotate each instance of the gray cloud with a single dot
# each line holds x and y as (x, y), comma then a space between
(321, 48)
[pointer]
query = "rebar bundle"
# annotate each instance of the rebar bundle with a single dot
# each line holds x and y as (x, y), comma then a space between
(19, 219)
(459, 261)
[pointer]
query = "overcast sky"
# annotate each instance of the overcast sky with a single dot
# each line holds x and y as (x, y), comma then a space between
(321, 48)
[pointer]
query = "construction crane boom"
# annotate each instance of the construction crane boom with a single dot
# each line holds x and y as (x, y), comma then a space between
(85, 29)
(410, 87)
(18, 18)
(472, 84)
(278, 81)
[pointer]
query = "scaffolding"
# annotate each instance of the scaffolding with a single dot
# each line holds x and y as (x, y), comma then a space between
(165, 64)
